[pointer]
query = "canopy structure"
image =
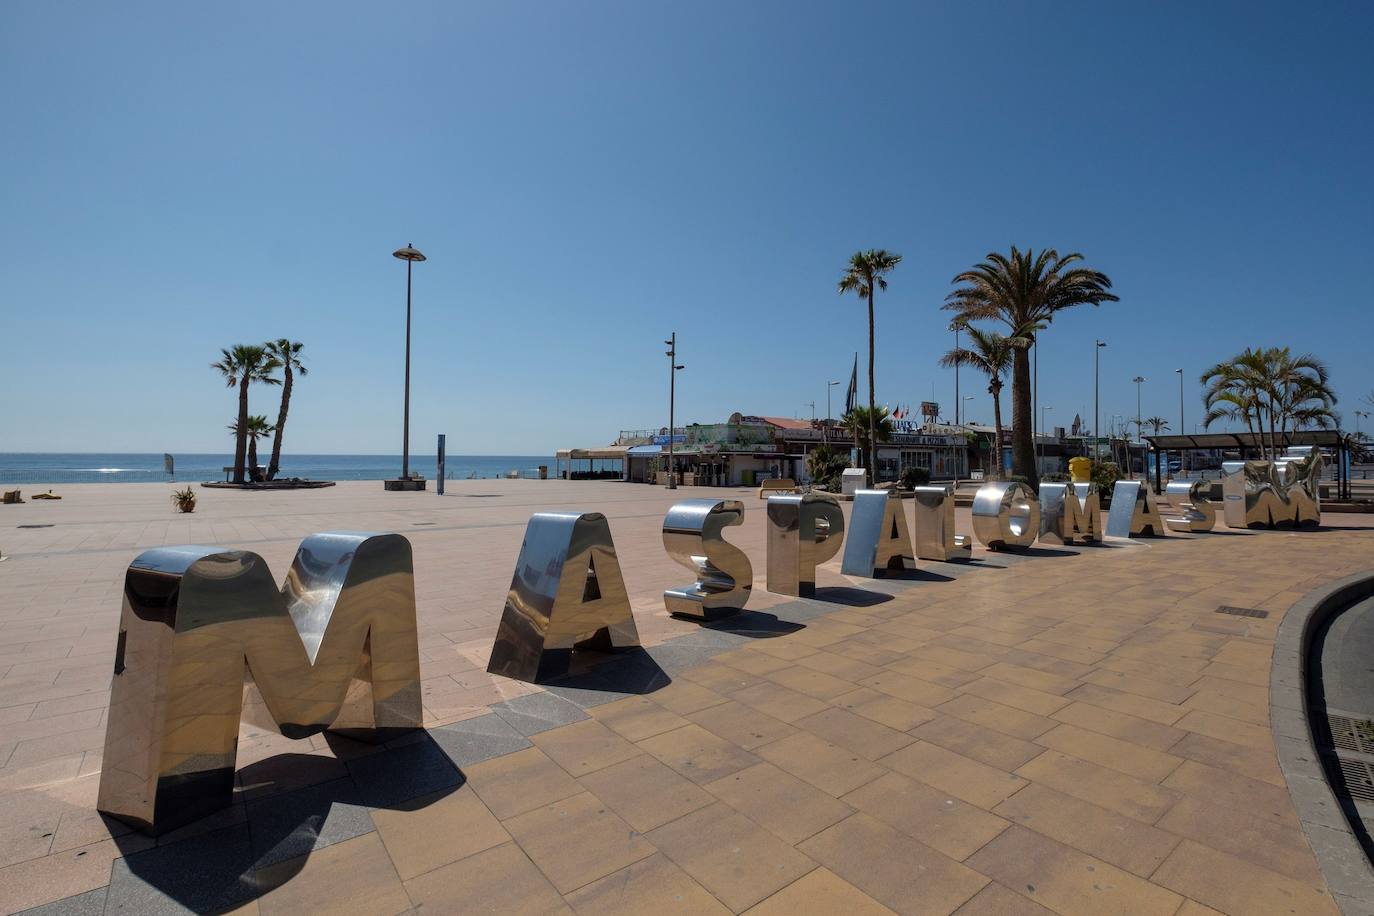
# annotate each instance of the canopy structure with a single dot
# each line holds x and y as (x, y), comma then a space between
(1327, 438)
(1282, 439)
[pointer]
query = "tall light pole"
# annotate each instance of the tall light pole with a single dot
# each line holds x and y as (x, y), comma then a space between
(1043, 427)
(673, 369)
(825, 432)
(956, 326)
(410, 255)
(1181, 428)
(1097, 419)
(1139, 426)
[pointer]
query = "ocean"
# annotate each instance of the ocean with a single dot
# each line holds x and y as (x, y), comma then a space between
(34, 467)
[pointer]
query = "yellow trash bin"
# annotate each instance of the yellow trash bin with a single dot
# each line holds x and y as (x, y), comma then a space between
(1081, 469)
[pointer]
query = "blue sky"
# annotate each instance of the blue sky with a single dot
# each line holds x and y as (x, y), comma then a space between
(587, 177)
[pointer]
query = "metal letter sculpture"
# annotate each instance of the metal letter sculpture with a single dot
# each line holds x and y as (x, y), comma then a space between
(335, 647)
(879, 539)
(1134, 512)
(1189, 509)
(934, 528)
(803, 532)
(567, 593)
(1064, 516)
(1005, 514)
(693, 536)
(1273, 493)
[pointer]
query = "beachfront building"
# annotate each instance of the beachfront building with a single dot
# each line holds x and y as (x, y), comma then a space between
(748, 448)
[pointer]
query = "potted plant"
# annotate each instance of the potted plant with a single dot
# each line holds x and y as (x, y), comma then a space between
(184, 500)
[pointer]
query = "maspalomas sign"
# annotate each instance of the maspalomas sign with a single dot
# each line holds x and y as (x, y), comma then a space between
(206, 637)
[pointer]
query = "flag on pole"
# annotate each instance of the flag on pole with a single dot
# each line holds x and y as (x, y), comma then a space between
(852, 395)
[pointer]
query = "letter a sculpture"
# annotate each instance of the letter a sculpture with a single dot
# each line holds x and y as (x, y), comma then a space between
(335, 647)
(693, 536)
(879, 539)
(567, 593)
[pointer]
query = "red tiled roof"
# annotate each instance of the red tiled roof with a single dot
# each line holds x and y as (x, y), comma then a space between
(786, 422)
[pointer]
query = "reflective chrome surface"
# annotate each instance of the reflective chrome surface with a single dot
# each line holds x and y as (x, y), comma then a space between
(567, 593)
(878, 539)
(205, 631)
(803, 532)
(1005, 514)
(934, 529)
(693, 536)
(1065, 516)
(1188, 508)
(1273, 493)
(1134, 512)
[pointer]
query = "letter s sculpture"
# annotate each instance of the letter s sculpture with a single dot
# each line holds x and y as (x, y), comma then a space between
(692, 535)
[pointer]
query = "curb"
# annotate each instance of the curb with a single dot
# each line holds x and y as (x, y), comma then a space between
(1347, 870)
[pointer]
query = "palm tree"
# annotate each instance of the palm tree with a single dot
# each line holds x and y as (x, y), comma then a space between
(288, 354)
(992, 354)
(241, 365)
(868, 427)
(1025, 289)
(1272, 385)
(867, 273)
(257, 428)
(1156, 424)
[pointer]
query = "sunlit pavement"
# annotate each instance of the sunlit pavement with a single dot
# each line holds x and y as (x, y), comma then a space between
(1068, 730)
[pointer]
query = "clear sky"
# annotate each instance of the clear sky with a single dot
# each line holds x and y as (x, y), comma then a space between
(587, 177)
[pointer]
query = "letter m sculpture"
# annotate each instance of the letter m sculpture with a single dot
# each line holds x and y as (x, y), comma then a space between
(205, 631)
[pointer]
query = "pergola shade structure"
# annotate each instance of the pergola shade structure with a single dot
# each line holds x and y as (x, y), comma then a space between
(1282, 439)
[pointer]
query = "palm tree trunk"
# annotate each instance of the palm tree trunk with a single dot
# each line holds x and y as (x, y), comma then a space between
(241, 437)
(1022, 432)
(252, 458)
(872, 410)
(996, 469)
(281, 423)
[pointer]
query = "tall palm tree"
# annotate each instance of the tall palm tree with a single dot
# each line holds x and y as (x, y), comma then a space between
(288, 353)
(257, 428)
(868, 427)
(1269, 385)
(867, 273)
(992, 354)
(1022, 289)
(1156, 424)
(241, 365)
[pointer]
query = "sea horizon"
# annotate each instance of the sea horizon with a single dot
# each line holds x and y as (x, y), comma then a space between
(148, 467)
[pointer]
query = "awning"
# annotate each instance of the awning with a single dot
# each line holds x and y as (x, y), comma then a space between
(1331, 438)
(581, 454)
(645, 451)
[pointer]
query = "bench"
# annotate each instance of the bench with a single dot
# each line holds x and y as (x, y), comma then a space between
(780, 486)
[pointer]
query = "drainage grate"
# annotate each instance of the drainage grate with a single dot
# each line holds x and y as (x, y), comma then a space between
(1351, 734)
(418, 524)
(1358, 778)
(1242, 611)
(33, 526)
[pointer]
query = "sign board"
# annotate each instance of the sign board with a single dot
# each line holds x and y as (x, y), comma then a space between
(930, 410)
(677, 439)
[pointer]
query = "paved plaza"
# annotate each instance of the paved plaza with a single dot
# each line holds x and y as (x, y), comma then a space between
(1065, 730)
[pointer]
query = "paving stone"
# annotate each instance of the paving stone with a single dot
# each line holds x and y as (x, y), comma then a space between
(637, 717)
(354, 876)
(893, 869)
(819, 893)
(698, 754)
(209, 872)
(960, 776)
(538, 712)
(652, 885)
(937, 819)
(503, 875)
(474, 740)
(829, 767)
(520, 781)
(584, 746)
(296, 823)
(1234, 885)
(645, 792)
(577, 840)
(788, 807)
(710, 846)
(435, 830)
(91, 903)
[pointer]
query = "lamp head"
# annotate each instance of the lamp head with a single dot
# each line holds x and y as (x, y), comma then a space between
(408, 253)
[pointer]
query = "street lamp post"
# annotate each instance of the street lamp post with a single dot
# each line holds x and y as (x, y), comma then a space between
(1183, 454)
(956, 326)
(673, 369)
(1139, 427)
(825, 431)
(1097, 419)
(410, 255)
(1043, 427)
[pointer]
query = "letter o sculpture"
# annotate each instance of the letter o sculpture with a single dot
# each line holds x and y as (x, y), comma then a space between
(1006, 514)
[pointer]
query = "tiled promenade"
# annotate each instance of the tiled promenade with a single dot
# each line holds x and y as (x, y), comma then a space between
(1070, 730)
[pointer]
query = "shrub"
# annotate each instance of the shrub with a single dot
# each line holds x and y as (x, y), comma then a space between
(826, 466)
(1055, 477)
